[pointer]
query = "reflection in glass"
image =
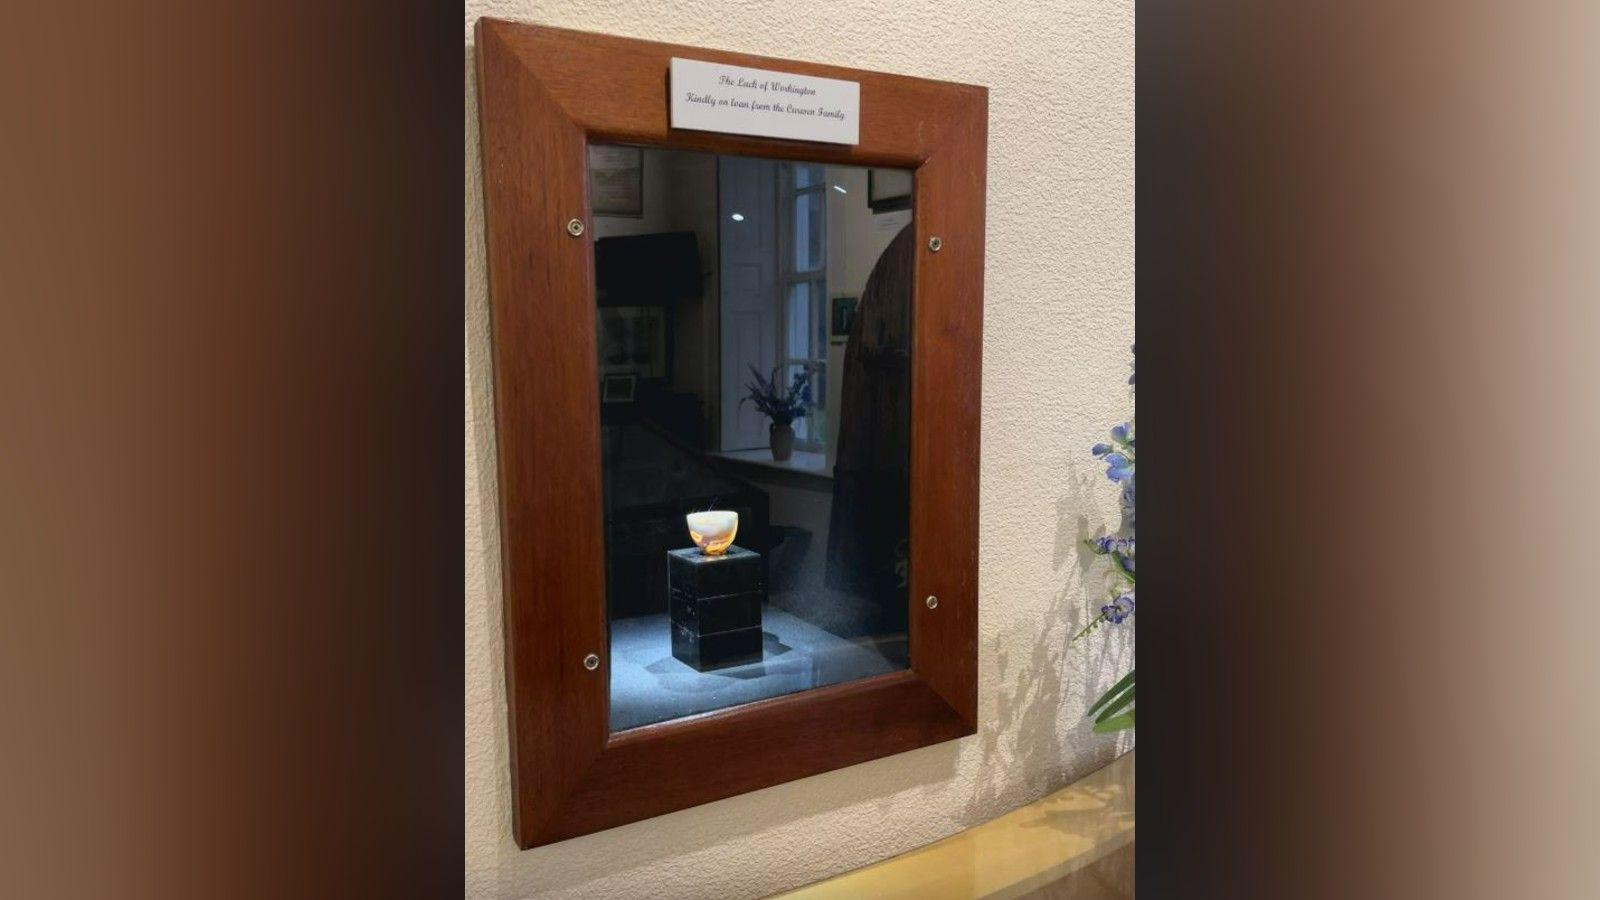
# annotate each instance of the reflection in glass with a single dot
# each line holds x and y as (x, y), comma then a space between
(809, 223)
(776, 278)
(799, 334)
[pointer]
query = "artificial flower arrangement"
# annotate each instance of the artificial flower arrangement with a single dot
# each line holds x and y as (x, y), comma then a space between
(781, 406)
(777, 404)
(1114, 710)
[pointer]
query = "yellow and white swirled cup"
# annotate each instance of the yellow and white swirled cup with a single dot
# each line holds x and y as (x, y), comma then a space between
(713, 530)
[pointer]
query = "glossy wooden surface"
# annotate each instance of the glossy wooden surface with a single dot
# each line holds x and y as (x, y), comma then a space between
(1075, 843)
(544, 94)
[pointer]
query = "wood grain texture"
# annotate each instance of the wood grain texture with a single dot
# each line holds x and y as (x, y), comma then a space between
(540, 106)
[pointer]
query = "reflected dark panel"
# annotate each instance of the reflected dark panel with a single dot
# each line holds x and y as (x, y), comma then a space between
(777, 279)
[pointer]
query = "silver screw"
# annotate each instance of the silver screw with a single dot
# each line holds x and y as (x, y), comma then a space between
(935, 244)
(575, 227)
(932, 601)
(591, 662)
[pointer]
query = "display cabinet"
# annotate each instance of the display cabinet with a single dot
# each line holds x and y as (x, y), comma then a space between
(737, 399)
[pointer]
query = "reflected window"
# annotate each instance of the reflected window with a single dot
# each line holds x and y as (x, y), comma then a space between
(804, 291)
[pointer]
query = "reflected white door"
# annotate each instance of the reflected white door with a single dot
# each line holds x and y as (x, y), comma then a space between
(748, 237)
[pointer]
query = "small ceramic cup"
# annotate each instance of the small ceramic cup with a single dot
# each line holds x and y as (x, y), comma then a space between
(713, 530)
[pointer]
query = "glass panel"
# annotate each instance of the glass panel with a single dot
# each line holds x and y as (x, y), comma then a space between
(817, 420)
(798, 331)
(806, 175)
(754, 439)
(801, 380)
(810, 220)
(819, 318)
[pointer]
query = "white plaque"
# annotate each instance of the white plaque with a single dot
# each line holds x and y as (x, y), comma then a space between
(736, 100)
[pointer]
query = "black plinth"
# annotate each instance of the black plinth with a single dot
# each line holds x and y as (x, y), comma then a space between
(714, 603)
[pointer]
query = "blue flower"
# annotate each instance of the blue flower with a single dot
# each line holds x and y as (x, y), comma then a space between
(1119, 467)
(1120, 547)
(1104, 544)
(1100, 449)
(1118, 610)
(1119, 433)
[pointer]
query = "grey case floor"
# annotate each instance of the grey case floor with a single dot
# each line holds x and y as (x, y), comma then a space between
(648, 685)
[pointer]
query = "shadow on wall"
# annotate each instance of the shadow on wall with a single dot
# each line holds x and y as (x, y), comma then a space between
(485, 709)
(1032, 696)
(572, 864)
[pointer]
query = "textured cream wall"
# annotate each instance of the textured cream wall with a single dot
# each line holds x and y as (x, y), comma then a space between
(1059, 299)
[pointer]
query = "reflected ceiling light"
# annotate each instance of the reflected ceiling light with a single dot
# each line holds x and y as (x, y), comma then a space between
(840, 189)
(737, 217)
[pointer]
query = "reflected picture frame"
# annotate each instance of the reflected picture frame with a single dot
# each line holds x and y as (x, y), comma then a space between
(842, 316)
(616, 181)
(888, 190)
(618, 388)
(632, 339)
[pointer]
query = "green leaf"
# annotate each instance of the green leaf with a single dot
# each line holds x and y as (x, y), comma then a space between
(1108, 696)
(1115, 706)
(1119, 723)
(1093, 624)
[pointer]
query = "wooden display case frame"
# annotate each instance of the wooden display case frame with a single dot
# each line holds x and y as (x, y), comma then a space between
(544, 94)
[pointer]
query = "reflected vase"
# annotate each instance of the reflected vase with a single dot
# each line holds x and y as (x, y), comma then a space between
(782, 441)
